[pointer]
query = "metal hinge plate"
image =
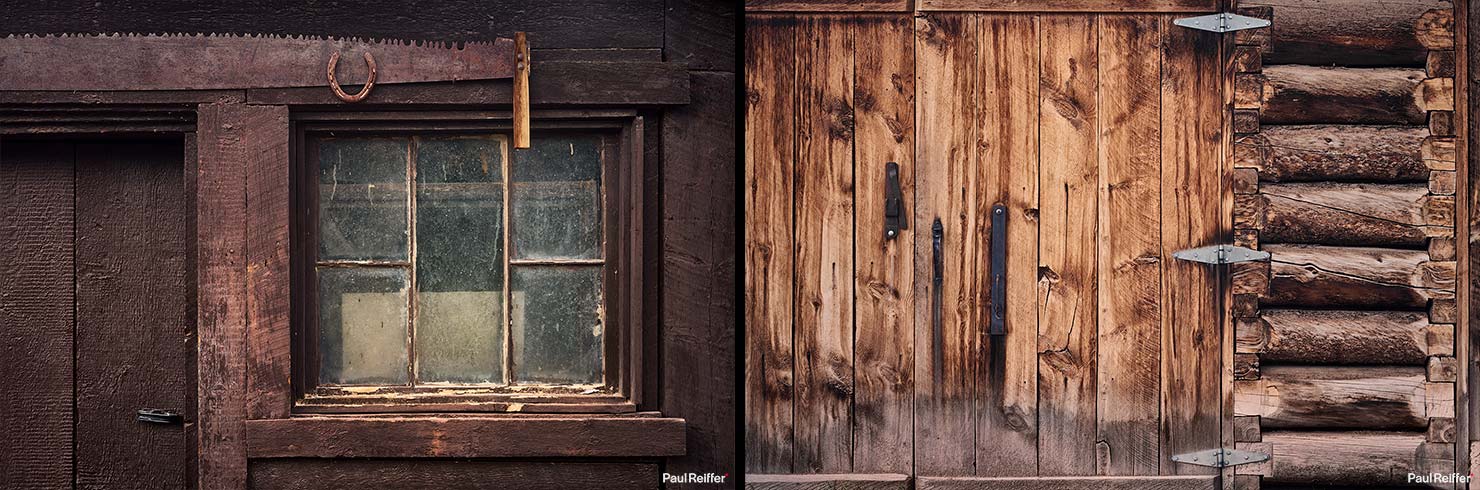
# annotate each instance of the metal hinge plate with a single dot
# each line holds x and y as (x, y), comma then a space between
(1220, 458)
(1220, 254)
(1224, 22)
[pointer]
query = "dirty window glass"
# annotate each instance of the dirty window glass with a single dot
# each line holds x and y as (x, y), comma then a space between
(454, 259)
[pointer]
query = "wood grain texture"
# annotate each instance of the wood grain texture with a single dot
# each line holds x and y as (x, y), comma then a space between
(1078, 6)
(849, 481)
(463, 437)
(36, 305)
(132, 314)
(1315, 276)
(947, 187)
(1346, 214)
(1335, 153)
(1192, 131)
(770, 152)
(448, 474)
(699, 250)
(228, 136)
(550, 83)
(1299, 94)
(1068, 218)
(269, 329)
(1129, 270)
(700, 34)
(1007, 388)
(1344, 458)
(1346, 32)
(1336, 337)
(884, 363)
(827, 5)
(1070, 483)
(824, 254)
(1335, 397)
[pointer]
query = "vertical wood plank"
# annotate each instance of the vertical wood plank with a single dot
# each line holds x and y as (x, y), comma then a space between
(824, 246)
(269, 338)
(132, 314)
(36, 309)
(1007, 381)
(1191, 153)
(884, 92)
(228, 139)
(1069, 210)
(770, 146)
(947, 187)
(1129, 339)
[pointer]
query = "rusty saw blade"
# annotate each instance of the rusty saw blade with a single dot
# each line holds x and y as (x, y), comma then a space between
(191, 62)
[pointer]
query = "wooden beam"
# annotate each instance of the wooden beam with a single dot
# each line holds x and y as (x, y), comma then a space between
(551, 83)
(1299, 94)
(1336, 337)
(269, 331)
(1334, 397)
(451, 474)
(522, 64)
(1330, 213)
(1194, 482)
(1346, 32)
(845, 481)
(1352, 458)
(827, 5)
(1076, 6)
(1335, 277)
(1387, 154)
(463, 437)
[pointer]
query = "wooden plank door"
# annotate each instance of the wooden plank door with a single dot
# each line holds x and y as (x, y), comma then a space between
(1104, 136)
(95, 306)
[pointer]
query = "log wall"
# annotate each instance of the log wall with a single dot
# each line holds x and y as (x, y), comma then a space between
(1345, 172)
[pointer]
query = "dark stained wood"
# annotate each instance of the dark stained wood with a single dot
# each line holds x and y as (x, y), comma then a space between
(1346, 32)
(770, 152)
(481, 437)
(1336, 337)
(551, 24)
(1006, 390)
(699, 250)
(1068, 310)
(1335, 397)
(1192, 131)
(1346, 214)
(848, 481)
(700, 34)
(447, 474)
(104, 98)
(1078, 6)
(269, 330)
(1070, 483)
(1299, 94)
(1129, 266)
(227, 136)
(824, 256)
(1334, 153)
(828, 5)
(883, 87)
(1314, 276)
(36, 306)
(134, 337)
(551, 83)
(1468, 65)
(1345, 458)
(947, 187)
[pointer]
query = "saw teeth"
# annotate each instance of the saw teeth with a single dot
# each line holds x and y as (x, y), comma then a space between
(419, 43)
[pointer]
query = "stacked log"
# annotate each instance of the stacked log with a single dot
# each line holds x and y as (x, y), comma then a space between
(1344, 157)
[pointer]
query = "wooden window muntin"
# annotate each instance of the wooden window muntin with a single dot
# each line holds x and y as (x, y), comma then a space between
(621, 199)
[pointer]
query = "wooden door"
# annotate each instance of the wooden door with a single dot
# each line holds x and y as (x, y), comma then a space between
(97, 319)
(1103, 135)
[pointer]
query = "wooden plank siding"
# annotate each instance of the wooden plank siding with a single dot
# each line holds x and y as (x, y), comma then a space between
(1108, 159)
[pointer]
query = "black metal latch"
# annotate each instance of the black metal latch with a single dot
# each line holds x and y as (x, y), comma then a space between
(998, 323)
(894, 219)
(157, 416)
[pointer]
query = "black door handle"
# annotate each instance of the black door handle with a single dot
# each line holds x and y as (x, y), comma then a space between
(998, 324)
(937, 246)
(894, 219)
(157, 416)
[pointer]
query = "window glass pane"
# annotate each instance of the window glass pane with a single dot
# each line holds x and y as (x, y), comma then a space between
(362, 198)
(362, 326)
(557, 323)
(459, 259)
(557, 197)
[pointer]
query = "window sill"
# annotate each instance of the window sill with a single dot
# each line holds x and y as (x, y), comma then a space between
(646, 434)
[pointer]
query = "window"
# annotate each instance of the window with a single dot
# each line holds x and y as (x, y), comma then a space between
(445, 266)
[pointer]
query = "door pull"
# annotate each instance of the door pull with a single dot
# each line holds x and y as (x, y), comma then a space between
(894, 219)
(937, 281)
(998, 313)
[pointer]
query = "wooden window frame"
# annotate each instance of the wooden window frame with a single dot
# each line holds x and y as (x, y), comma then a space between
(621, 278)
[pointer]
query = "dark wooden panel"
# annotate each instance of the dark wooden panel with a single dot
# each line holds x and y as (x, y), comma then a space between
(269, 338)
(401, 437)
(361, 474)
(36, 295)
(551, 23)
(846, 481)
(699, 249)
(828, 5)
(135, 339)
(1071, 483)
(551, 83)
(701, 34)
(1072, 5)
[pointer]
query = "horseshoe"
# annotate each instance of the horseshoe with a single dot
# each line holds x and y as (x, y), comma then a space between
(339, 92)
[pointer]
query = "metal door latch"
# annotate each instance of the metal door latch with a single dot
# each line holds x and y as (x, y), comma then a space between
(1220, 458)
(894, 219)
(157, 416)
(998, 323)
(1224, 22)
(1220, 254)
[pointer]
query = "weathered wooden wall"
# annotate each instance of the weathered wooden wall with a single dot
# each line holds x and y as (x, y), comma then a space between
(1345, 360)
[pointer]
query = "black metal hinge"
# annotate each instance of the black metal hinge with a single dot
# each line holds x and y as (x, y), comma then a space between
(1224, 22)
